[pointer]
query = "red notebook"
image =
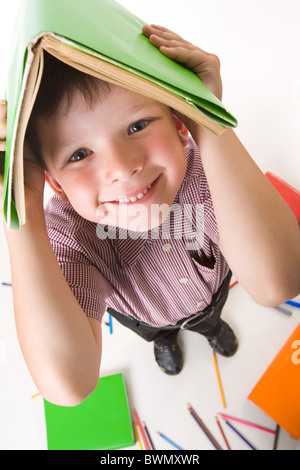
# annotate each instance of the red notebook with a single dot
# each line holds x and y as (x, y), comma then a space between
(288, 193)
(277, 393)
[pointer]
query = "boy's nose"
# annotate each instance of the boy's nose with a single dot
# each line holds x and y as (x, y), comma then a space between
(121, 165)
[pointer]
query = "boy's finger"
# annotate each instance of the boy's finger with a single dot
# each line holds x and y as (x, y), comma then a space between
(2, 146)
(160, 31)
(159, 41)
(2, 130)
(2, 158)
(3, 110)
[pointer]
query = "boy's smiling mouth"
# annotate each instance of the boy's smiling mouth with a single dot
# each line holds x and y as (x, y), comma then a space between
(130, 199)
(134, 197)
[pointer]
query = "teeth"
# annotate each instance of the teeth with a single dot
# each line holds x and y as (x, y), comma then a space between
(135, 198)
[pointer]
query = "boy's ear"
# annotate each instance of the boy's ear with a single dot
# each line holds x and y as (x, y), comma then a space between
(182, 130)
(56, 186)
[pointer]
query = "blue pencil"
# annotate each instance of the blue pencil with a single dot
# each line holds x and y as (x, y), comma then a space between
(110, 324)
(6, 284)
(169, 441)
(293, 303)
(240, 435)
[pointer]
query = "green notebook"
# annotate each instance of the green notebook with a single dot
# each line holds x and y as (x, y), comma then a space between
(102, 421)
(103, 39)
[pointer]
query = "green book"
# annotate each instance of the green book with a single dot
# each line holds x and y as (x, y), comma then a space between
(102, 38)
(101, 422)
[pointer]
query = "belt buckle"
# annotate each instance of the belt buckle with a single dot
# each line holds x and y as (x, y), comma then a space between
(194, 317)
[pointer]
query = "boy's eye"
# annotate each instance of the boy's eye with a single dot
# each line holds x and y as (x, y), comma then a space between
(137, 126)
(79, 155)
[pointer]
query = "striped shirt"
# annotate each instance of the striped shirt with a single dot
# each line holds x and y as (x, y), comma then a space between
(158, 277)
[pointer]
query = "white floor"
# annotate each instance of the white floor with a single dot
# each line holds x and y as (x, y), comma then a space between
(160, 400)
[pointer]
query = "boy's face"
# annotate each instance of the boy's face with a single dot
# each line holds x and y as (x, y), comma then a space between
(119, 164)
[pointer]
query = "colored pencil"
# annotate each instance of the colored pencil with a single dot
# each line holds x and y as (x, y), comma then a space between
(276, 437)
(36, 395)
(233, 284)
(169, 441)
(219, 379)
(240, 435)
(110, 324)
(293, 303)
(137, 436)
(283, 310)
(8, 284)
(248, 423)
(223, 434)
(148, 437)
(139, 424)
(204, 428)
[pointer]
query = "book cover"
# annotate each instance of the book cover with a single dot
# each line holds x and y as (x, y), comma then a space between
(104, 31)
(277, 392)
(102, 421)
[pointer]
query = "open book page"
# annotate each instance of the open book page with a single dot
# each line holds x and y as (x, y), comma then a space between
(119, 74)
(31, 82)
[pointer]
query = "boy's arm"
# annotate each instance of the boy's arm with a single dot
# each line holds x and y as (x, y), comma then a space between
(259, 235)
(60, 344)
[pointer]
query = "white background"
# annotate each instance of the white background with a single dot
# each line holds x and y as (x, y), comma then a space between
(258, 42)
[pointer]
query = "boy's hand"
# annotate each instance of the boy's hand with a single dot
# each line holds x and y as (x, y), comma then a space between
(34, 177)
(203, 64)
(34, 174)
(2, 147)
(2, 125)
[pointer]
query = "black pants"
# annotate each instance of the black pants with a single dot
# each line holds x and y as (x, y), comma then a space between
(207, 322)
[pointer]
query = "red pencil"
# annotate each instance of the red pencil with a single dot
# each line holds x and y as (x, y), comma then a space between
(138, 422)
(233, 284)
(248, 423)
(223, 434)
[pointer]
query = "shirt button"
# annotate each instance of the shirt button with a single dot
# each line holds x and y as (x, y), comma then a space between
(167, 247)
(184, 280)
(200, 304)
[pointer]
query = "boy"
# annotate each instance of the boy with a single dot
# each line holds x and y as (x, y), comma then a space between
(110, 156)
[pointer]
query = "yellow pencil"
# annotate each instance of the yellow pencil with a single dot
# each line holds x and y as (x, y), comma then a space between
(219, 379)
(137, 436)
(36, 395)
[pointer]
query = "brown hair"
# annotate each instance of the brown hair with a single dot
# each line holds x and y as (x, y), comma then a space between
(59, 81)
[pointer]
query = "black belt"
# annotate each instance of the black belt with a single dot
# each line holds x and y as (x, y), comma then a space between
(198, 317)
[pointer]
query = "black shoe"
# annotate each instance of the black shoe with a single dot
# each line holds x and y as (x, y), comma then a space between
(168, 357)
(225, 342)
